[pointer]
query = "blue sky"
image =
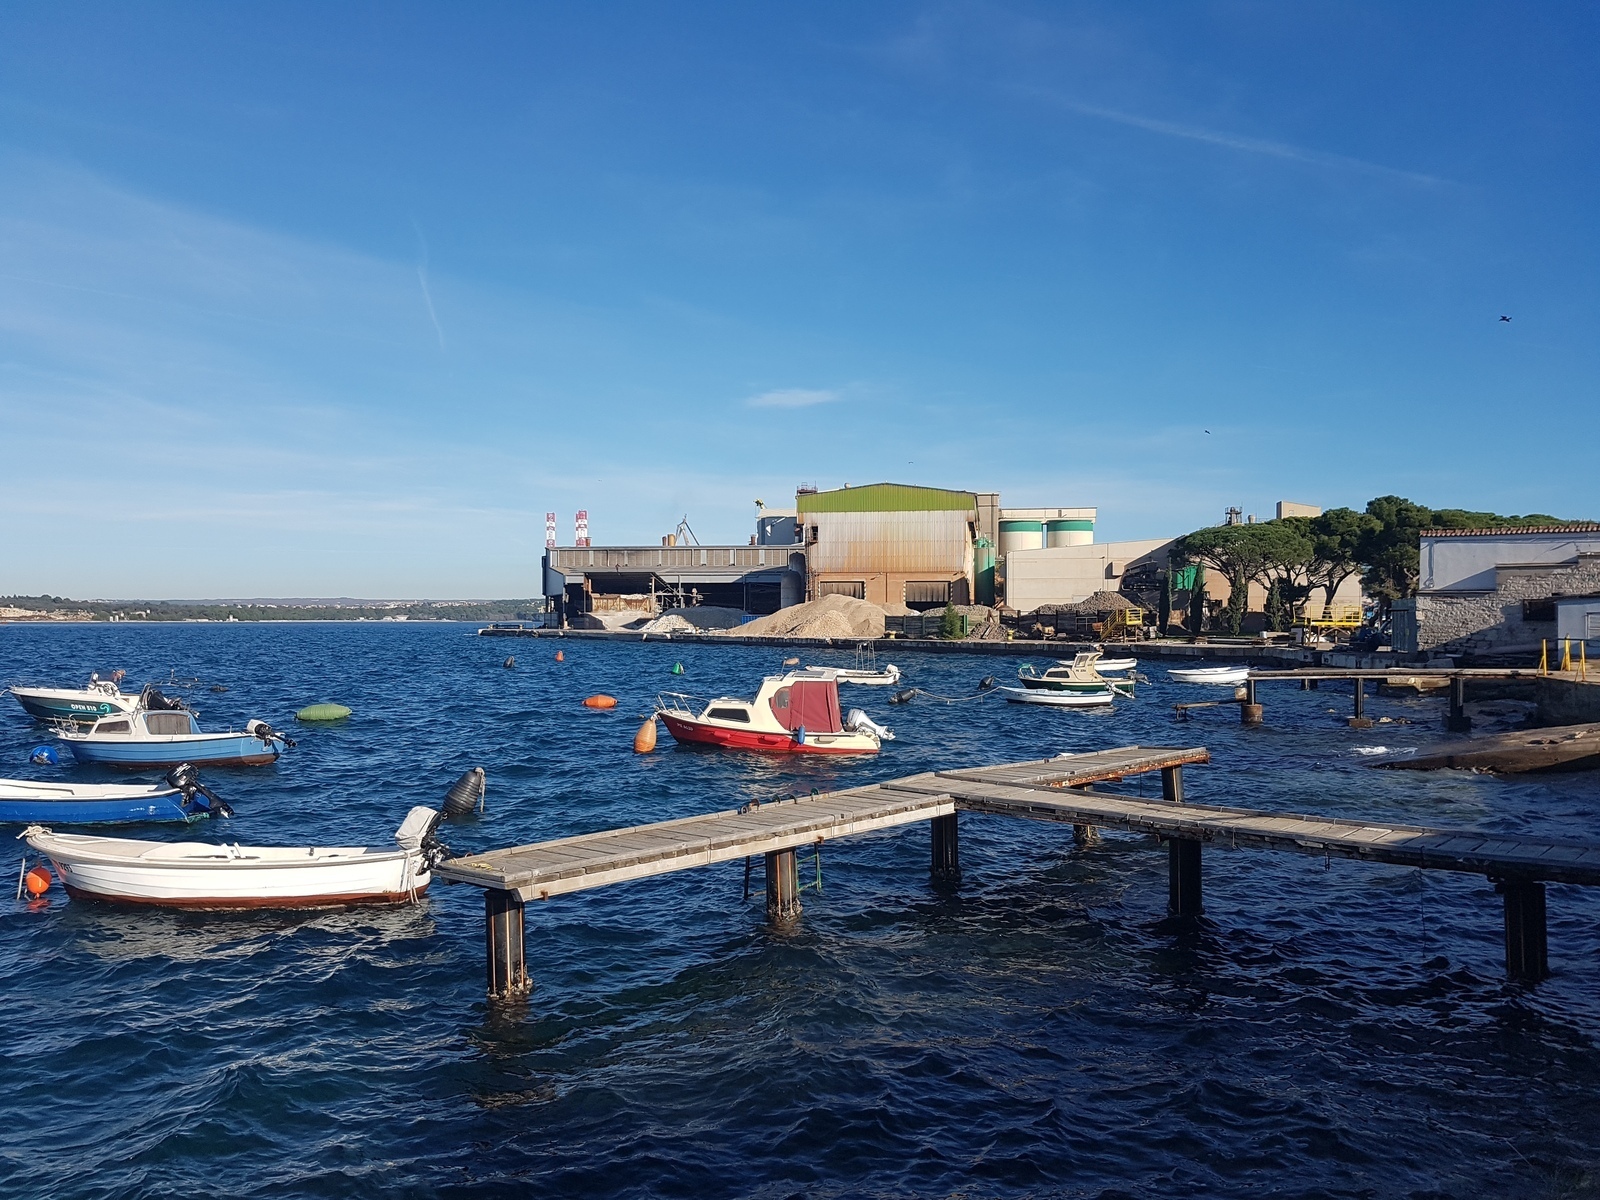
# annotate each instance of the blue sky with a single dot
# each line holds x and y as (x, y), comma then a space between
(339, 300)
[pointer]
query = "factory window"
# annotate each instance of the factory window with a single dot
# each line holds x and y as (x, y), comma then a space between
(932, 592)
(843, 587)
(1539, 610)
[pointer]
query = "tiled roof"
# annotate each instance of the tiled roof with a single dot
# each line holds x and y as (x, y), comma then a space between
(1503, 530)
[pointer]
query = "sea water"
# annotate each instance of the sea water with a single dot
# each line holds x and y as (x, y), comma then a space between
(1329, 1029)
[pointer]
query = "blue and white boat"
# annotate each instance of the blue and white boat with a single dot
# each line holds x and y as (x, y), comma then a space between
(82, 705)
(182, 798)
(168, 735)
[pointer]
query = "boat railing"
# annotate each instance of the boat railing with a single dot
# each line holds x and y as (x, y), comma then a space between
(679, 704)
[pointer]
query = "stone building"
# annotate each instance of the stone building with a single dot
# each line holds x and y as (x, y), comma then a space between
(1485, 590)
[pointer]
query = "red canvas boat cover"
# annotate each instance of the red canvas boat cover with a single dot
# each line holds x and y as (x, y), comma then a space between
(814, 704)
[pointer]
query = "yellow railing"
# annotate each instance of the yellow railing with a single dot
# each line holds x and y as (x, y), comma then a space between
(1123, 623)
(1332, 616)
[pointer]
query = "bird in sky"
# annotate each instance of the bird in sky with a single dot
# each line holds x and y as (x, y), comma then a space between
(1206, 431)
(1503, 318)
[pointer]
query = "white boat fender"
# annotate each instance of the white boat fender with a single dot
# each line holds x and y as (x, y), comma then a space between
(465, 794)
(861, 723)
(267, 733)
(417, 834)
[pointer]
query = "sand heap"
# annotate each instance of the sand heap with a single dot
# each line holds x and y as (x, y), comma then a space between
(694, 620)
(829, 617)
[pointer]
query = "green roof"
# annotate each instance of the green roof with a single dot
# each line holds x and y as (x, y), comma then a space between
(886, 497)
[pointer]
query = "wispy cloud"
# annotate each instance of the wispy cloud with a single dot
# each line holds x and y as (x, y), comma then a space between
(422, 278)
(793, 398)
(1239, 142)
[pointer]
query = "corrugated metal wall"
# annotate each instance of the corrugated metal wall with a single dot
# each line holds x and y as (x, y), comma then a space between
(935, 542)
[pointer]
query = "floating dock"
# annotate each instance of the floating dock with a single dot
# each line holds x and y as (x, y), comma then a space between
(1057, 790)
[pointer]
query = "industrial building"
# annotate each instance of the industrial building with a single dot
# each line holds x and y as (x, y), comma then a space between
(894, 543)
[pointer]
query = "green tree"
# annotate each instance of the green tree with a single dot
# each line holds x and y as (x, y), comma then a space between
(950, 626)
(1336, 547)
(1245, 553)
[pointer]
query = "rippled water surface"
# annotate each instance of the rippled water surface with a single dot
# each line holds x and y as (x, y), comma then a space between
(1336, 1029)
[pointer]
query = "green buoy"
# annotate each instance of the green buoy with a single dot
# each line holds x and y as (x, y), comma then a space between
(677, 668)
(322, 712)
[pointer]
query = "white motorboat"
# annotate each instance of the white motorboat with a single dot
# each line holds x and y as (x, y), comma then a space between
(1116, 666)
(1224, 675)
(1056, 699)
(890, 674)
(210, 875)
(164, 733)
(85, 705)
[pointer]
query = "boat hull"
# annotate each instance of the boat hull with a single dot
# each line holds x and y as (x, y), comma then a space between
(135, 807)
(1059, 699)
(66, 704)
(764, 742)
(138, 754)
(1214, 675)
(203, 876)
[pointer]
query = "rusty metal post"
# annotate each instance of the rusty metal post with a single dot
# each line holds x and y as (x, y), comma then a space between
(1527, 956)
(503, 928)
(1360, 720)
(783, 886)
(946, 849)
(1183, 877)
(1250, 713)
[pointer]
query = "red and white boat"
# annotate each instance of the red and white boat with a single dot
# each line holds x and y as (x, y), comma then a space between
(797, 713)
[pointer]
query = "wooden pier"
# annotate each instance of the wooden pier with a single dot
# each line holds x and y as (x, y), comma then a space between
(1251, 712)
(1056, 790)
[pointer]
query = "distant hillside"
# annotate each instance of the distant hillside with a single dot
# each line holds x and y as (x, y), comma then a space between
(60, 608)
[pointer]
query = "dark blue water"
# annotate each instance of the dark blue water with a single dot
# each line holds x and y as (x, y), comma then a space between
(1332, 1029)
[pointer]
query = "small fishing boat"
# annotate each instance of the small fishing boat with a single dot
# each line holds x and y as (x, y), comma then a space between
(163, 733)
(84, 705)
(795, 713)
(1082, 674)
(1059, 699)
(209, 875)
(862, 676)
(182, 798)
(1115, 666)
(1226, 675)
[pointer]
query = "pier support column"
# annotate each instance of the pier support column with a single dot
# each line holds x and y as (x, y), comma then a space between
(1250, 713)
(1183, 877)
(1172, 785)
(1458, 721)
(1526, 952)
(507, 968)
(783, 886)
(946, 849)
(1360, 720)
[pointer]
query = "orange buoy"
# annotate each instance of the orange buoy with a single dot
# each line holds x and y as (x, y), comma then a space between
(38, 881)
(644, 742)
(560, 657)
(600, 701)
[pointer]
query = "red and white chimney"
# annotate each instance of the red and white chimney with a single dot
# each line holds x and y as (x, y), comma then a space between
(583, 527)
(549, 531)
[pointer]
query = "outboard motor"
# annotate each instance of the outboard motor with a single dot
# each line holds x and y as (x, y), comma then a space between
(153, 700)
(419, 833)
(861, 723)
(186, 778)
(465, 794)
(267, 733)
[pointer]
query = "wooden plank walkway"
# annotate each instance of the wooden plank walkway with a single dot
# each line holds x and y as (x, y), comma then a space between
(554, 868)
(1027, 790)
(1057, 790)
